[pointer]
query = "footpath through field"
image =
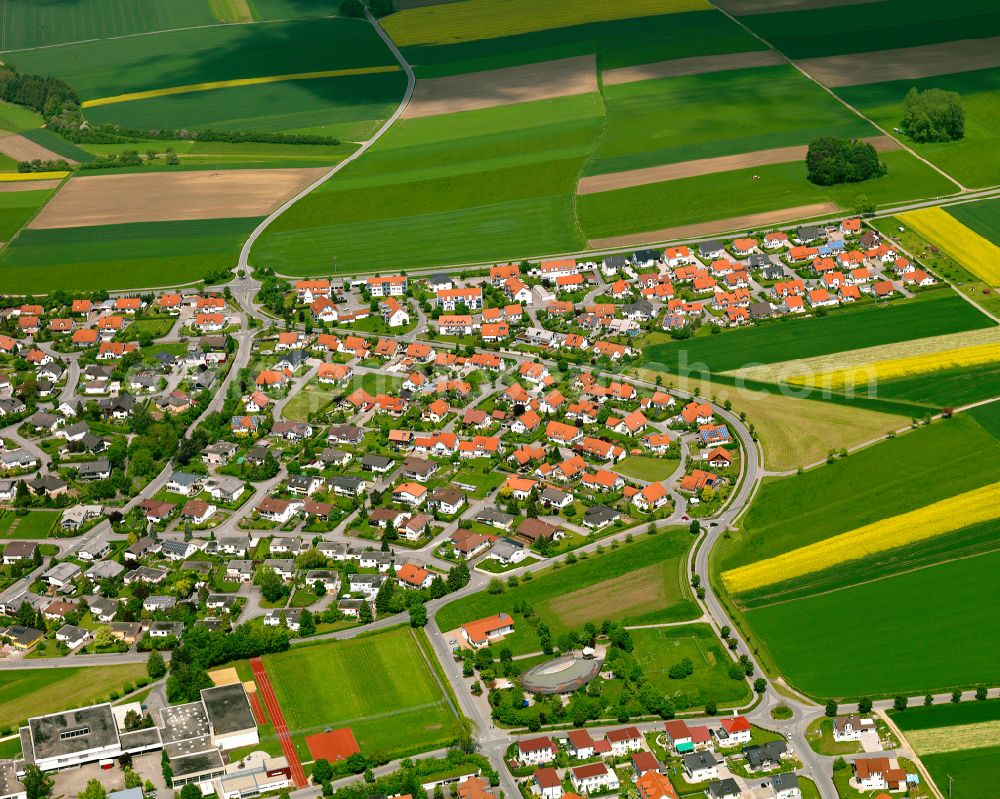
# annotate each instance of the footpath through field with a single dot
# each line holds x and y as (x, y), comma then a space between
(278, 720)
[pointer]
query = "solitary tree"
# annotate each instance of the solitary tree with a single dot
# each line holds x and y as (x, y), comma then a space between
(900, 702)
(831, 708)
(865, 705)
(155, 667)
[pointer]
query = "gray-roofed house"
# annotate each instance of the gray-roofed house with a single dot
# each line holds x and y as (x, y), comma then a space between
(724, 789)
(786, 786)
(765, 756)
(711, 249)
(598, 516)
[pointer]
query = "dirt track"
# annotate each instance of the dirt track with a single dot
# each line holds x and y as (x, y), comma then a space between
(29, 185)
(691, 66)
(706, 166)
(904, 63)
(169, 196)
(495, 87)
(744, 8)
(22, 149)
(748, 222)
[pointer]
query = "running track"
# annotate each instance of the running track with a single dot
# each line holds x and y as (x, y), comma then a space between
(278, 720)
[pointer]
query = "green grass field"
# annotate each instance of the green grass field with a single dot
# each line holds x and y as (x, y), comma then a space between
(988, 416)
(677, 119)
(982, 216)
(15, 118)
(138, 255)
(31, 23)
(929, 314)
(37, 524)
(724, 195)
(646, 468)
(641, 583)
(392, 710)
(882, 26)
(499, 180)
(292, 9)
(657, 649)
(927, 618)
(875, 483)
(57, 144)
(953, 715)
(33, 692)
(969, 159)
(17, 207)
(973, 771)
(215, 155)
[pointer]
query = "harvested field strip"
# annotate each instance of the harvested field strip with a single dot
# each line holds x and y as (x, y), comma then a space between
(38, 180)
(925, 61)
(229, 84)
(696, 65)
(594, 184)
(171, 196)
(784, 370)
(452, 23)
(747, 222)
(21, 148)
(868, 375)
(932, 520)
(954, 739)
(977, 254)
(561, 78)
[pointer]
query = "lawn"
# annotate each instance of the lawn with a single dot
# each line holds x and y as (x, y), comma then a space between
(37, 24)
(308, 401)
(138, 255)
(646, 468)
(472, 473)
(884, 25)
(971, 158)
(657, 649)
(725, 195)
(646, 126)
(32, 692)
(17, 207)
(638, 583)
(499, 180)
(392, 710)
(928, 617)
(929, 314)
(873, 484)
(37, 524)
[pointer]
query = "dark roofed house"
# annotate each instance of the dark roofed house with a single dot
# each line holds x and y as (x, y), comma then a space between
(535, 530)
(761, 310)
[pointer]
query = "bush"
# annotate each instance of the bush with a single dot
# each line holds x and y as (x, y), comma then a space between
(934, 115)
(352, 8)
(831, 161)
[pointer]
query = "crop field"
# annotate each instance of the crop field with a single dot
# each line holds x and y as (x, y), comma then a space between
(36, 23)
(943, 716)
(725, 195)
(33, 692)
(499, 180)
(988, 416)
(17, 118)
(655, 563)
(292, 9)
(982, 216)
(971, 158)
(139, 255)
(883, 25)
(17, 207)
(973, 771)
(657, 649)
(929, 521)
(796, 511)
(665, 121)
(929, 314)
(931, 615)
(977, 254)
(391, 710)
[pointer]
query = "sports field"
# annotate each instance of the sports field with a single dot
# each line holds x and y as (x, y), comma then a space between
(657, 649)
(791, 512)
(139, 255)
(17, 207)
(32, 692)
(971, 158)
(930, 314)
(926, 618)
(638, 583)
(500, 181)
(677, 119)
(384, 690)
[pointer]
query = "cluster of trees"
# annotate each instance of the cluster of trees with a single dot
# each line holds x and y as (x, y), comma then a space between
(130, 158)
(44, 95)
(933, 115)
(203, 649)
(38, 165)
(831, 160)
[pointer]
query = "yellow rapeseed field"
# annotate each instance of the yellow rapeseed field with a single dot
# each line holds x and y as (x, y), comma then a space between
(930, 521)
(471, 20)
(15, 177)
(977, 254)
(869, 374)
(955, 739)
(228, 84)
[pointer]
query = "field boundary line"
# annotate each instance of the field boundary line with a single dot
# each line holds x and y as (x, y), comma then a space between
(212, 85)
(437, 680)
(244, 258)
